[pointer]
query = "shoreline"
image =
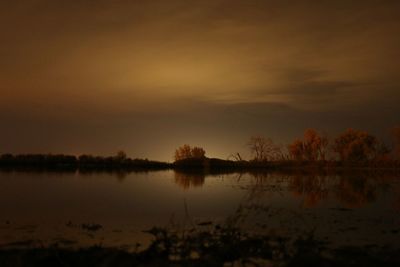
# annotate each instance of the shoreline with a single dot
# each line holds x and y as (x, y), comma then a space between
(88, 163)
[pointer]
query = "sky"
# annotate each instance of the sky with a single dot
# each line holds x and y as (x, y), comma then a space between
(148, 76)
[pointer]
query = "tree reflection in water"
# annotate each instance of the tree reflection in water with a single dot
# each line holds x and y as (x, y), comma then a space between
(351, 190)
(313, 188)
(276, 200)
(187, 180)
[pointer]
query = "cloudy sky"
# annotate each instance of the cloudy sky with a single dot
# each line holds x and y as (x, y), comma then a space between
(147, 76)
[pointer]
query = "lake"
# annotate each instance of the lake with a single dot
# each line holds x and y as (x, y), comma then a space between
(113, 209)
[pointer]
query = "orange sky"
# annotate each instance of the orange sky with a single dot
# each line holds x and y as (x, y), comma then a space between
(147, 76)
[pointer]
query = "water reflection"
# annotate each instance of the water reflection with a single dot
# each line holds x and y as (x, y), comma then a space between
(312, 188)
(187, 180)
(350, 190)
(50, 200)
(357, 191)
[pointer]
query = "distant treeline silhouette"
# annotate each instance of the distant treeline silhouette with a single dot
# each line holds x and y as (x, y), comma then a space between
(84, 162)
(352, 148)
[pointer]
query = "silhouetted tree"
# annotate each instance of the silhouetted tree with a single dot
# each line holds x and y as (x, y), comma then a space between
(198, 152)
(183, 152)
(121, 156)
(187, 152)
(7, 159)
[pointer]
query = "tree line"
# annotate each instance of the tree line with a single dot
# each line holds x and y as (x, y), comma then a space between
(351, 146)
(85, 161)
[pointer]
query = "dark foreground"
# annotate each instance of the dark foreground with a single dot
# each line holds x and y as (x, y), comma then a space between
(216, 246)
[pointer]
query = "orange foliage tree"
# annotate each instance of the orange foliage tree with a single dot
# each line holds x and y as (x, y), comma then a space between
(313, 147)
(187, 152)
(355, 145)
(396, 142)
(296, 150)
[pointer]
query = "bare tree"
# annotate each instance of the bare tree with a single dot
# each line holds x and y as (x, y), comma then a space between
(263, 149)
(235, 157)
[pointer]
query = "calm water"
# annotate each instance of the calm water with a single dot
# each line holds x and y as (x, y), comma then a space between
(44, 208)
